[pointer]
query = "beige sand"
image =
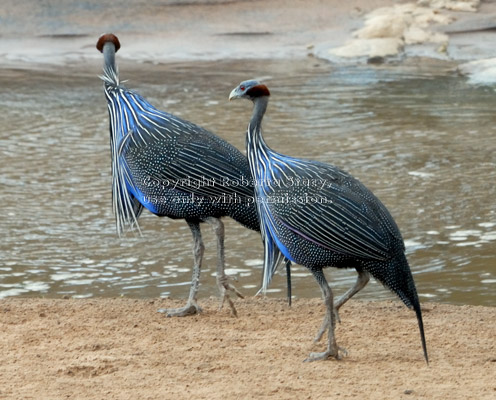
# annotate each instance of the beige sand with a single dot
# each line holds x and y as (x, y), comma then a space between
(220, 29)
(124, 349)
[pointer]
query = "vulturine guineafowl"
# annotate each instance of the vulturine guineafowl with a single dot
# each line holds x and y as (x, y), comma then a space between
(176, 169)
(332, 220)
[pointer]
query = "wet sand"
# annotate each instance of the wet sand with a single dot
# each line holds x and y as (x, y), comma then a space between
(124, 349)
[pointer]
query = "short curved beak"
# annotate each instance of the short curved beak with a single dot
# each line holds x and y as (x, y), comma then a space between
(233, 95)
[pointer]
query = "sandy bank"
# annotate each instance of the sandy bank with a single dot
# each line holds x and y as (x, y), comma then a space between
(57, 33)
(124, 349)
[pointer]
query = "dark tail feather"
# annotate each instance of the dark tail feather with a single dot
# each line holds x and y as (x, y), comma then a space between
(397, 277)
(288, 280)
(408, 293)
(412, 301)
(418, 311)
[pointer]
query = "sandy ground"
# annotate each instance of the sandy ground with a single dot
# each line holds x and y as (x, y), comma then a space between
(165, 31)
(123, 349)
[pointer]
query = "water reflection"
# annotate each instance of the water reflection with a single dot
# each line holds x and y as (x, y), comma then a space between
(417, 135)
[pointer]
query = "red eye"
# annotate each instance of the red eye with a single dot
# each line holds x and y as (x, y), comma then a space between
(242, 88)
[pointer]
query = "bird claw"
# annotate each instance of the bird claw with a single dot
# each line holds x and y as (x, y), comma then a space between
(231, 304)
(188, 309)
(224, 287)
(338, 353)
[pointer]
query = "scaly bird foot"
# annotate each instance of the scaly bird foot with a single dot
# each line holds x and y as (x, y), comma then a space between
(224, 288)
(188, 309)
(338, 353)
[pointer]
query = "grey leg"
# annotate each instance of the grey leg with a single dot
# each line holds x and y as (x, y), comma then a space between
(329, 321)
(191, 306)
(362, 279)
(222, 278)
(323, 328)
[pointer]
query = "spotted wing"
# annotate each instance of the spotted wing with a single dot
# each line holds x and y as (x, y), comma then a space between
(332, 209)
(177, 152)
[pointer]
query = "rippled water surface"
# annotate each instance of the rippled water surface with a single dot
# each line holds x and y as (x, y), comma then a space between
(421, 138)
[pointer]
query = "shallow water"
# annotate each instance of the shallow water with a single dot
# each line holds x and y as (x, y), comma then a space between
(416, 134)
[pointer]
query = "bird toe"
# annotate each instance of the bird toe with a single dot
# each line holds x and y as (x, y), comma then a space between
(337, 353)
(188, 309)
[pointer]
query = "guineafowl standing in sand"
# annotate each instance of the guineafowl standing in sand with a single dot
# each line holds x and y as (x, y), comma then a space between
(160, 162)
(332, 220)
